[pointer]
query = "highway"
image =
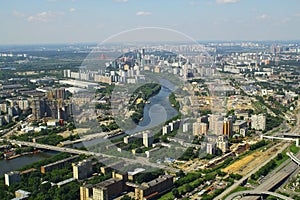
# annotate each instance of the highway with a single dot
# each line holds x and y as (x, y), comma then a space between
(267, 183)
(274, 180)
(256, 192)
(245, 178)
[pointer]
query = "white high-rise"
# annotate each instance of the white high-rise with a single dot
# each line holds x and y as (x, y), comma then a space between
(258, 122)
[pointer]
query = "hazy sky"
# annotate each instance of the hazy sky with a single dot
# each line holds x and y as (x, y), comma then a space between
(68, 21)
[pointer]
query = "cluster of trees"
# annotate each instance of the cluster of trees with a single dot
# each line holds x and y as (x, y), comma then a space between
(235, 176)
(189, 154)
(187, 179)
(36, 182)
(134, 144)
(109, 127)
(264, 170)
(276, 107)
(50, 136)
(205, 112)
(190, 182)
(24, 149)
(273, 122)
(174, 103)
(148, 176)
(258, 145)
(145, 92)
(267, 168)
(106, 90)
(198, 139)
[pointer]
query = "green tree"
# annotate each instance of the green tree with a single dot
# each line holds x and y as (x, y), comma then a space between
(175, 192)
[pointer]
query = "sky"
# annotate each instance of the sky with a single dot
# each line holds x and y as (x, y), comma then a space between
(80, 21)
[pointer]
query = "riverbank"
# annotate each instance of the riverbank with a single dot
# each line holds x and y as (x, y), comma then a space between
(140, 99)
(21, 161)
(23, 154)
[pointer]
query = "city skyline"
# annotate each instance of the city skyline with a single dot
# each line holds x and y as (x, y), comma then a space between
(77, 21)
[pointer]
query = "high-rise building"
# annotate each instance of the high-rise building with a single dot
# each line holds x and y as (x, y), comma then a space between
(86, 192)
(105, 190)
(258, 122)
(38, 108)
(12, 177)
(222, 143)
(57, 93)
(53, 108)
(166, 129)
(82, 170)
(216, 124)
(211, 148)
(228, 127)
(67, 73)
(200, 128)
(147, 139)
(185, 127)
(4, 107)
(238, 125)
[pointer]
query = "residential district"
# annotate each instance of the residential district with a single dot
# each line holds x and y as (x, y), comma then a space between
(172, 121)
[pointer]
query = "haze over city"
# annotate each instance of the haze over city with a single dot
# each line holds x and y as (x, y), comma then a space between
(77, 21)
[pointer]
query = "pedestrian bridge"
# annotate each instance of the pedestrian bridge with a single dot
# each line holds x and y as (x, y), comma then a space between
(281, 138)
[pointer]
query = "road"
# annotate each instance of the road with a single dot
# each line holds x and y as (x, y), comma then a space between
(12, 130)
(278, 177)
(134, 160)
(236, 184)
(245, 178)
(91, 137)
(257, 192)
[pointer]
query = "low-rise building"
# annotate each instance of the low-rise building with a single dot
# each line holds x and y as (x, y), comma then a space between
(58, 164)
(21, 195)
(154, 188)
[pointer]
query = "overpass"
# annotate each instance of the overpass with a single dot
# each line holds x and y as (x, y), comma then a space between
(133, 160)
(278, 178)
(256, 193)
(246, 177)
(294, 158)
(281, 138)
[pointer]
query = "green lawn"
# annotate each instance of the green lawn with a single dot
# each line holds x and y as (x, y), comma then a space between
(294, 149)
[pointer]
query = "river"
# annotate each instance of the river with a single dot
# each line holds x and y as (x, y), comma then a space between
(157, 111)
(17, 163)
